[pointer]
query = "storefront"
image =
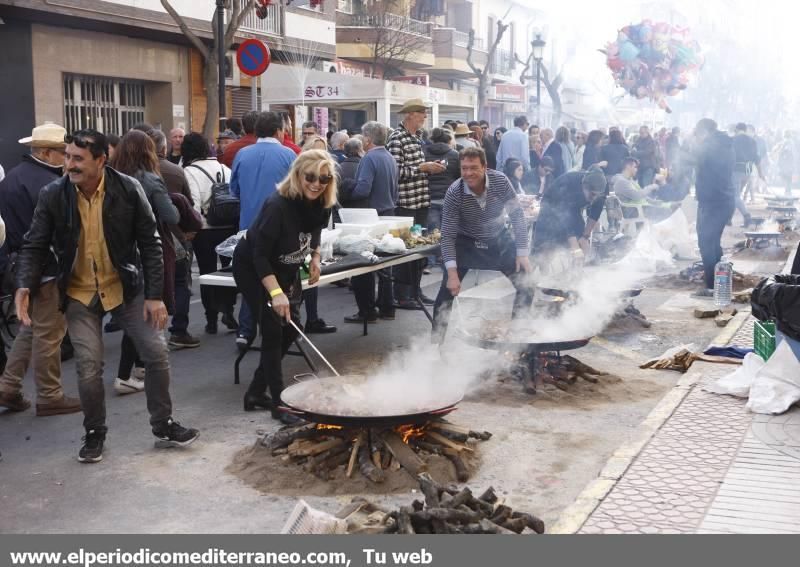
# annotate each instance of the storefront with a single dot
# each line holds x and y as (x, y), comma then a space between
(352, 100)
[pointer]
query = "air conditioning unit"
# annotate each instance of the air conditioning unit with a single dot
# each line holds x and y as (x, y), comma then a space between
(329, 67)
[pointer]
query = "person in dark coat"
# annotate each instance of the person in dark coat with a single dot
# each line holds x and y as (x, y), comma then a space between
(440, 150)
(591, 153)
(553, 150)
(646, 151)
(713, 159)
(346, 170)
(614, 152)
(39, 346)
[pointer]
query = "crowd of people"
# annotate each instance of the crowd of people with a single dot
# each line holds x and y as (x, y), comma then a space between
(98, 225)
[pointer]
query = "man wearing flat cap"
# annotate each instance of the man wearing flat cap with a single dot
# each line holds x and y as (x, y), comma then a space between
(40, 344)
(405, 145)
(561, 223)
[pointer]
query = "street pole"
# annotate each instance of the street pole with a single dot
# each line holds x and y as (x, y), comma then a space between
(221, 61)
(538, 93)
(254, 93)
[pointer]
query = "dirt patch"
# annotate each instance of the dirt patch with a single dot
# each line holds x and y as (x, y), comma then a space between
(772, 253)
(257, 468)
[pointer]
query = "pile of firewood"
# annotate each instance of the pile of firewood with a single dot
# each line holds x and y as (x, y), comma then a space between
(630, 314)
(534, 370)
(322, 449)
(453, 510)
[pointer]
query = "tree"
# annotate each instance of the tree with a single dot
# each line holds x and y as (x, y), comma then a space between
(553, 87)
(237, 9)
(482, 73)
(395, 41)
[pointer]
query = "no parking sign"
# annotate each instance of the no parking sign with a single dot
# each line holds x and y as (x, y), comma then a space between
(253, 57)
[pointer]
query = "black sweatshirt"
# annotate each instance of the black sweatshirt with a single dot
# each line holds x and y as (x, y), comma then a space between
(283, 233)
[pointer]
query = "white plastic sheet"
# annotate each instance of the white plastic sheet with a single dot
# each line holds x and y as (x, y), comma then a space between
(648, 255)
(777, 385)
(391, 245)
(676, 236)
(738, 382)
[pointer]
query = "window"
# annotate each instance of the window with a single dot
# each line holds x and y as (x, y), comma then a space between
(111, 106)
(345, 6)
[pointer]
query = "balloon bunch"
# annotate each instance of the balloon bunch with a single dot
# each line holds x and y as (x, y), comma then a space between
(653, 60)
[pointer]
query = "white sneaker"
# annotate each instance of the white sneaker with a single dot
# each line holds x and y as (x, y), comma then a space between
(130, 386)
(138, 373)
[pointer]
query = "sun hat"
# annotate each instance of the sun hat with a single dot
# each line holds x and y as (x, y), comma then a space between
(414, 105)
(48, 135)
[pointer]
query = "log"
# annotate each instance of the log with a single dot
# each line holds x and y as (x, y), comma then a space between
(430, 489)
(462, 474)
(386, 458)
(484, 508)
(501, 514)
(286, 435)
(409, 460)
(490, 527)
(320, 458)
(429, 447)
(326, 468)
(404, 521)
(354, 453)
(531, 521)
(442, 440)
(488, 495)
(317, 448)
(445, 499)
(448, 515)
(440, 527)
(367, 467)
(516, 525)
(461, 498)
(451, 432)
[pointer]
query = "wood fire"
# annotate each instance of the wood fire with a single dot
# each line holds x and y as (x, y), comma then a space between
(321, 449)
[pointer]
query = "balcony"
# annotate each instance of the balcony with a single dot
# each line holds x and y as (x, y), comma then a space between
(252, 25)
(503, 64)
(450, 49)
(411, 40)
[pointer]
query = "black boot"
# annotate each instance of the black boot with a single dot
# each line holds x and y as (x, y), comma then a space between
(252, 402)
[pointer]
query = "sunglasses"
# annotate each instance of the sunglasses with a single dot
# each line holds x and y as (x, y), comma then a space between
(313, 178)
(82, 142)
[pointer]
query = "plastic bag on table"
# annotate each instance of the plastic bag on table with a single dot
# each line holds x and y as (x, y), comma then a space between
(777, 385)
(391, 245)
(738, 382)
(227, 246)
(354, 244)
(328, 242)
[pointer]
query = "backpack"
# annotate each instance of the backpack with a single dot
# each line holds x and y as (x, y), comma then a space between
(223, 208)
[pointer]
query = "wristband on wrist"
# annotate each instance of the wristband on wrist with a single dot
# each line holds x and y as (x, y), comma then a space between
(275, 292)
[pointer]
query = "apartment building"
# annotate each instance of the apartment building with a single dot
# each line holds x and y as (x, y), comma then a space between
(109, 64)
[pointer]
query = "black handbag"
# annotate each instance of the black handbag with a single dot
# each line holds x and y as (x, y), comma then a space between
(223, 208)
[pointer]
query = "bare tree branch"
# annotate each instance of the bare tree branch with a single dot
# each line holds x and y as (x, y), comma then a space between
(522, 76)
(240, 10)
(394, 42)
(483, 73)
(190, 35)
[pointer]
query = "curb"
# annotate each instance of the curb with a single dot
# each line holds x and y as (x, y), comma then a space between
(576, 514)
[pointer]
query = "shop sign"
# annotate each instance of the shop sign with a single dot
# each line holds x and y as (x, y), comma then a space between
(510, 93)
(324, 92)
(351, 69)
(419, 80)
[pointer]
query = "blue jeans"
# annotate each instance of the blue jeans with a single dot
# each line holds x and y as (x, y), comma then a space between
(711, 221)
(246, 324)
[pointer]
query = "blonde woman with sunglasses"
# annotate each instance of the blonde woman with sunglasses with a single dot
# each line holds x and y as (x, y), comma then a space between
(267, 261)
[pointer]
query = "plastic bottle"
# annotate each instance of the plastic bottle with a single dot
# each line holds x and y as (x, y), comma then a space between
(723, 282)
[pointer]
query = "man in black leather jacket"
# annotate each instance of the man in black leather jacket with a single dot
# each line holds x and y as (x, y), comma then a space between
(103, 232)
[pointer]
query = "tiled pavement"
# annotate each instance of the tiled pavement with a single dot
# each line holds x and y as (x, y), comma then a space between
(711, 467)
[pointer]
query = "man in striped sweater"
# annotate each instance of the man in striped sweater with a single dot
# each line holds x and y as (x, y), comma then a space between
(474, 235)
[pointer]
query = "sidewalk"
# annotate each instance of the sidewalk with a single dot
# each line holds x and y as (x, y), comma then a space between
(703, 464)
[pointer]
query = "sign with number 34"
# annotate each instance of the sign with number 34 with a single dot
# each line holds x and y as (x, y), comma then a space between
(323, 91)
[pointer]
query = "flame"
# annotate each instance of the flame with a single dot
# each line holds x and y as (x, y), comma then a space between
(409, 431)
(325, 426)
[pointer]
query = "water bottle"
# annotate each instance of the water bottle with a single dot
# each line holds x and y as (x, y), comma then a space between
(723, 282)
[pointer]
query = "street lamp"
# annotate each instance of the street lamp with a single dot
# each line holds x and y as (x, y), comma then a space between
(221, 61)
(537, 46)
